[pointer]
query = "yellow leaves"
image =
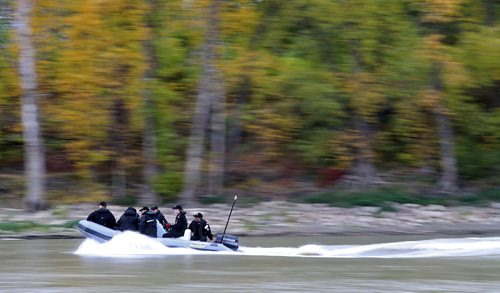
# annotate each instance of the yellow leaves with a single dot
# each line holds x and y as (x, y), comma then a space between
(454, 74)
(433, 43)
(366, 94)
(75, 69)
(84, 155)
(259, 70)
(91, 51)
(9, 83)
(434, 51)
(429, 98)
(238, 17)
(82, 118)
(432, 100)
(272, 127)
(256, 65)
(342, 145)
(272, 130)
(415, 127)
(431, 48)
(439, 11)
(103, 46)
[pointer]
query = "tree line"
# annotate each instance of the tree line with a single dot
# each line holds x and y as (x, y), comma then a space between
(184, 99)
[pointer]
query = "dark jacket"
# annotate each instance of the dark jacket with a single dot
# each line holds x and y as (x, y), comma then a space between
(161, 218)
(147, 224)
(200, 230)
(129, 220)
(103, 217)
(177, 229)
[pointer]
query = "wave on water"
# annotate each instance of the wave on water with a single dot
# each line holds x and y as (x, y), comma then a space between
(128, 244)
(453, 247)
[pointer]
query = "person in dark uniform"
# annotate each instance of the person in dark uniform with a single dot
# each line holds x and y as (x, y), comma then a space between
(129, 220)
(103, 216)
(177, 229)
(147, 222)
(159, 216)
(200, 230)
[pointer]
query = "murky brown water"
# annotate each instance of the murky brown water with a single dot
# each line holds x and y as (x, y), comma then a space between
(52, 266)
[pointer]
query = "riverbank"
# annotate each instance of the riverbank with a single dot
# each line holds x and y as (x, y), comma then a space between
(279, 218)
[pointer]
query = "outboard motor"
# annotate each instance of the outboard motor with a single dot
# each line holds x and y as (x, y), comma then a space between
(230, 241)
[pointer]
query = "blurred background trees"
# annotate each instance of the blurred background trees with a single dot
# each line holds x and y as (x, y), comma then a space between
(34, 151)
(163, 101)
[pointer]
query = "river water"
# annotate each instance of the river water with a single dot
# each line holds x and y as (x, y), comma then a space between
(134, 263)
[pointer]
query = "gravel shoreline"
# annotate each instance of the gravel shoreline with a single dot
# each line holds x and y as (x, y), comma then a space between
(283, 218)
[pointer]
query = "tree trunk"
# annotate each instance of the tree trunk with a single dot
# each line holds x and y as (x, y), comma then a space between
(149, 154)
(34, 154)
(209, 89)
(234, 125)
(118, 137)
(363, 170)
(218, 110)
(150, 170)
(489, 6)
(449, 170)
(192, 172)
(218, 143)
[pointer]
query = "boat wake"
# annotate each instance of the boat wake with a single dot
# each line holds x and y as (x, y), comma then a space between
(455, 247)
(129, 244)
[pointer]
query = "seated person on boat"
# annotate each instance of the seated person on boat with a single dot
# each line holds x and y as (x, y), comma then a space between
(177, 229)
(200, 230)
(129, 220)
(103, 216)
(147, 222)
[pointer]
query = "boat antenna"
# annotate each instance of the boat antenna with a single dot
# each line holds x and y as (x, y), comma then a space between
(224, 233)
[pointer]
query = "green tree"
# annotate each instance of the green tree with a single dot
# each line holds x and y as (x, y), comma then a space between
(477, 114)
(363, 46)
(10, 131)
(437, 19)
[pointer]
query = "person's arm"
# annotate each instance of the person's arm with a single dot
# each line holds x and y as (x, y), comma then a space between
(208, 232)
(163, 220)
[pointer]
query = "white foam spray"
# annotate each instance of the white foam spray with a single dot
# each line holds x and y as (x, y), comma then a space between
(126, 244)
(130, 244)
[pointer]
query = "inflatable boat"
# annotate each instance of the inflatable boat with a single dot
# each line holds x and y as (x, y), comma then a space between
(223, 242)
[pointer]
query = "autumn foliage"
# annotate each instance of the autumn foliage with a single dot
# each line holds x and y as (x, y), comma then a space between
(328, 94)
